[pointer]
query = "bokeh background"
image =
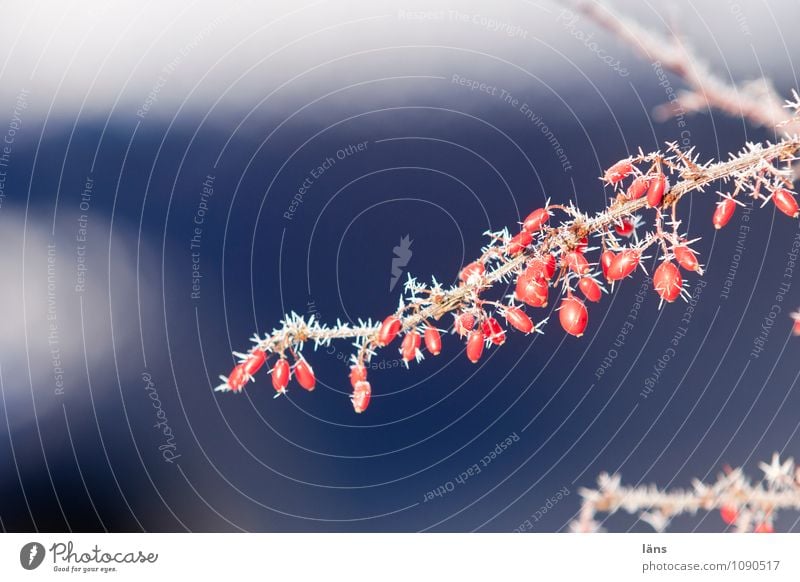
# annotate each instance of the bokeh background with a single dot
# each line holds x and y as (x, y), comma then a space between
(126, 123)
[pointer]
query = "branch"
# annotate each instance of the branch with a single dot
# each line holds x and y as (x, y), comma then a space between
(742, 505)
(757, 101)
(532, 257)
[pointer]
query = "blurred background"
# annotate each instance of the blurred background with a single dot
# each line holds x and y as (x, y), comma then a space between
(176, 177)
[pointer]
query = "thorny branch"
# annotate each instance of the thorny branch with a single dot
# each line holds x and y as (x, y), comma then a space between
(757, 101)
(533, 256)
(743, 505)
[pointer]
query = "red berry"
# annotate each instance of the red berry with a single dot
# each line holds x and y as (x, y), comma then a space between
(577, 262)
(729, 514)
(433, 340)
(723, 213)
(785, 202)
(655, 193)
(389, 330)
(304, 374)
(590, 289)
(410, 346)
(536, 220)
(238, 378)
(624, 228)
(573, 315)
(796, 326)
(532, 291)
(472, 271)
(606, 259)
(475, 346)
(519, 242)
(581, 247)
(280, 376)
(493, 331)
(667, 281)
(764, 527)
(362, 392)
(618, 171)
(518, 319)
(623, 264)
(638, 187)
(686, 258)
(254, 361)
(544, 267)
(464, 323)
(358, 373)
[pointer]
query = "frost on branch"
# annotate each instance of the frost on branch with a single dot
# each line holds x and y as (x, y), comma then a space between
(743, 506)
(757, 101)
(558, 253)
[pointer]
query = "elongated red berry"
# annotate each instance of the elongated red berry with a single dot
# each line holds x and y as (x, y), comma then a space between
(536, 220)
(606, 259)
(623, 264)
(729, 514)
(667, 281)
(464, 323)
(618, 171)
(304, 374)
(577, 262)
(532, 291)
(686, 258)
(785, 202)
(638, 187)
(518, 319)
(655, 193)
(519, 242)
(410, 346)
(238, 378)
(475, 346)
(362, 392)
(573, 315)
(389, 330)
(493, 331)
(254, 361)
(723, 213)
(433, 340)
(544, 267)
(582, 244)
(280, 375)
(590, 289)
(472, 271)
(624, 228)
(358, 373)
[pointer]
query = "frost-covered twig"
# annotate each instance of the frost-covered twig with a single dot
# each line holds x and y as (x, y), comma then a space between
(538, 257)
(757, 101)
(743, 505)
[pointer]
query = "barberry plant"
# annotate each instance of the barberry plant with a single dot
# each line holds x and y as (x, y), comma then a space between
(743, 505)
(557, 253)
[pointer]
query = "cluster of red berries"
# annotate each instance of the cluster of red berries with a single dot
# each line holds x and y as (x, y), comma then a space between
(281, 372)
(730, 515)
